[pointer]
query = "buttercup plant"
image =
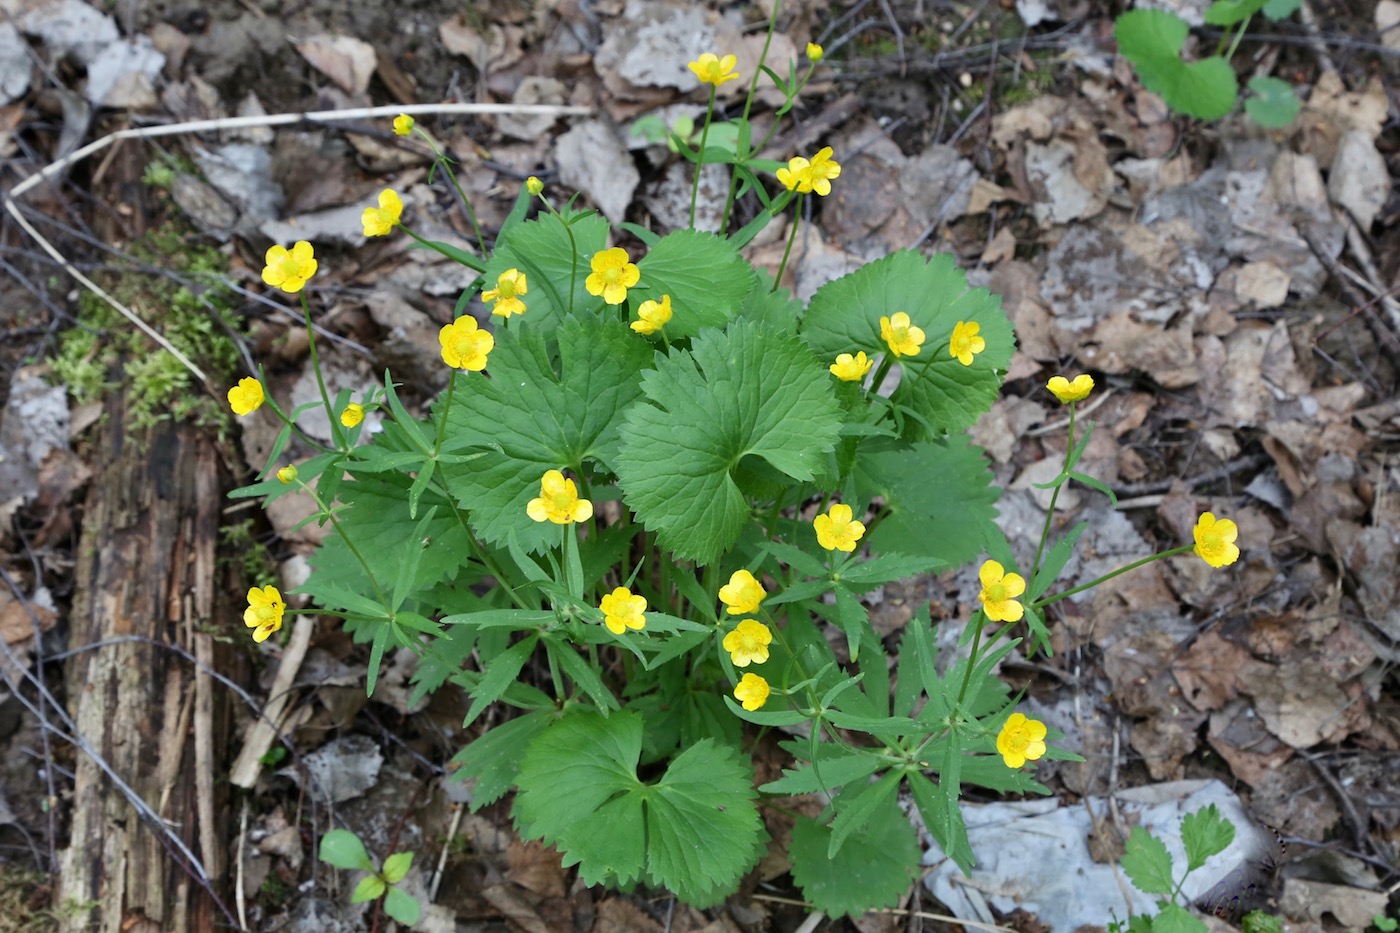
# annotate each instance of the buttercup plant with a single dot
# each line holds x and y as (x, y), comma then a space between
(668, 520)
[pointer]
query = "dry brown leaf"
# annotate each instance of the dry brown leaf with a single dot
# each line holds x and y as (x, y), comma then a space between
(1300, 703)
(1388, 23)
(536, 868)
(1359, 182)
(616, 915)
(347, 61)
(1239, 737)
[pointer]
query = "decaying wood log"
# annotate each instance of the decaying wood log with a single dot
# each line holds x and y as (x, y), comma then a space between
(146, 569)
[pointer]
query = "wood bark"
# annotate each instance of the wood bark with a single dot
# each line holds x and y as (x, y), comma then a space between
(146, 568)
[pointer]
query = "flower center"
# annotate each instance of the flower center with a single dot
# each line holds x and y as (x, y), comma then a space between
(996, 593)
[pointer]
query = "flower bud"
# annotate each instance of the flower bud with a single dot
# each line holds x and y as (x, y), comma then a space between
(815, 53)
(534, 185)
(287, 474)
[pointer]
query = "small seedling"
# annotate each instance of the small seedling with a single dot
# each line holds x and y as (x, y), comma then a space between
(343, 849)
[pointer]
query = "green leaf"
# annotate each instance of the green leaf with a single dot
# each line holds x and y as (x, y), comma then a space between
(499, 674)
(855, 805)
(541, 248)
(1054, 562)
(1098, 484)
(396, 866)
(402, 906)
(343, 849)
(1177, 919)
(694, 831)
(885, 568)
(376, 517)
(1152, 40)
(579, 671)
(844, 317)
(746, 394)
(455, 253)
(494, 758)
(938, 494)
(533, 419)
(1230, 12)
(1205, 833)
(704, 275)
(1147, 863)
(369, 888)
(829, 773)
(1281, 9)
(873, 869)
(1274, 103)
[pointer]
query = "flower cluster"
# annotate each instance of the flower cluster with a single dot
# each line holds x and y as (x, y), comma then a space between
(802, 175)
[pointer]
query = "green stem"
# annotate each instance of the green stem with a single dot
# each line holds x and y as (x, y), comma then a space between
(446, 407)
(339, 439)
(700, 157)
(787, 250)
(1054, 498)
(744, 120)
(446, 164)
(349, 545)
(979, 619)
(883, 370)
(474, 264)
(1041, 603)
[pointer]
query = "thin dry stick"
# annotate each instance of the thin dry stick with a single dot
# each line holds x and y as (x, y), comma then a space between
(228, 123)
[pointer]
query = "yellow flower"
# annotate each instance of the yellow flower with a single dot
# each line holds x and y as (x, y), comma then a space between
(353, 414)
(965, 343)
(246, 397)
(509, 284)
(613, 273)
(849, 368)
(288, 474)
(264, 612)
(796, 177)
(815, 53)
(622, 610)
(711, 69)
(742, 594)
(464, 346)
(403, 124)
(559, 502)
(534, 185)
(380, 220)
(821, 170)
(901, 336)
(752, 692)
(1067, 391)
(653, 316)
(289, 269)
(836, 531)
(1215, 540)
(999, 592)
(803, 176)
(748, 644)
(1021, 740)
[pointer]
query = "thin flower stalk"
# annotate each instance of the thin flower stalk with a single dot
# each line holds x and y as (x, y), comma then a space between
(700, 158)
(446, 164)
(792, 237)
(748, 106)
